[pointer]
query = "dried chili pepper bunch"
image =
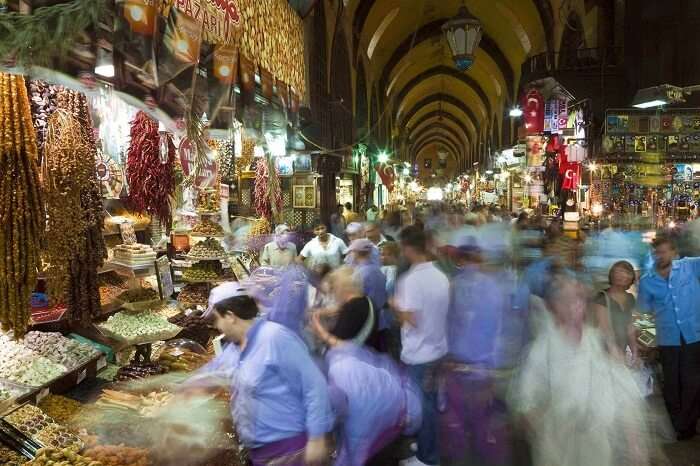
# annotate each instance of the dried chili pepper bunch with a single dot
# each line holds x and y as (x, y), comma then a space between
(151, 182)
(268, 194)
(21, 209)
(83, 293)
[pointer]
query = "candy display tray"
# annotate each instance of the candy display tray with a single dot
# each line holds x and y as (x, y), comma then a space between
(85, 371)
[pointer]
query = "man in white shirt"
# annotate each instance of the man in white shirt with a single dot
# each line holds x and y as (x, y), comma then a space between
(325, 248)
(280, 252)
(421, 305)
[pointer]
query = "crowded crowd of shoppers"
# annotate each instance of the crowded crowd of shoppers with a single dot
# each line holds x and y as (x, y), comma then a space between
(456, 338)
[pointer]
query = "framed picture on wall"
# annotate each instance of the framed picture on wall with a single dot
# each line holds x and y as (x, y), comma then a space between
(302, 163)
(285, 165)
(304, 197)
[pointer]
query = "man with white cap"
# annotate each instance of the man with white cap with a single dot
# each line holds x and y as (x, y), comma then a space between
(279, 252)
(354, 232)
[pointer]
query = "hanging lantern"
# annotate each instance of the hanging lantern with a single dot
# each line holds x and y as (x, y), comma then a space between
(463, 34)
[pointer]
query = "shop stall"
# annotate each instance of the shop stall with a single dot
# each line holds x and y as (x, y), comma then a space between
(136, 176)
(648, 166)
(555, 141)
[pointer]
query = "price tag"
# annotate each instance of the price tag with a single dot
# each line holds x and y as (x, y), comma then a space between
(42, 394)
(82, 375)
(101, 363)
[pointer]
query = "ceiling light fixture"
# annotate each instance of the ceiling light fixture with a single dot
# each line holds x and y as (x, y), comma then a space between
(515, 112)
(463, 34)
(659, 96)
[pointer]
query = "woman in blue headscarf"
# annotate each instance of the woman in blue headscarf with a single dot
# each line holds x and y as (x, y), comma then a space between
(373, 401)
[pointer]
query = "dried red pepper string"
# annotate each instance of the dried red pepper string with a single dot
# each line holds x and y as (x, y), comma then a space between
(151, 182)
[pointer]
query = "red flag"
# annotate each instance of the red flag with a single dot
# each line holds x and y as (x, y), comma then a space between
(533, 112)
(387, 174)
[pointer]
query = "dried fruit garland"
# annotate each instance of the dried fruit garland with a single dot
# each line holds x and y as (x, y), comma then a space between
(150, 179)
(21, 210)
(83, 294)
(225, 160)
(63, 175)
(268, 193)
(43, 101)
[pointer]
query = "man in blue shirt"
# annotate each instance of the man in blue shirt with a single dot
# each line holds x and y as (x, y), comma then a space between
(486, 334)
(671, 291)
(279, 397)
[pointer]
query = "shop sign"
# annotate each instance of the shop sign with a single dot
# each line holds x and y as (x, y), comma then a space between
(221, 19)
(165, 277)
(207, 174)
(556, 115)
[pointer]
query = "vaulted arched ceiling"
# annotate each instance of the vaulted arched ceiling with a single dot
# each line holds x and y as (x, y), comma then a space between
(408, 61)
(442, 127)
(435, 141)
(447, 108)
(438, 115)
(442, 121)
(445, 137)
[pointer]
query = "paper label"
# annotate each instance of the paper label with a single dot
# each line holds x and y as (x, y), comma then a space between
(82, 375)
(102, 363)
(42, 394)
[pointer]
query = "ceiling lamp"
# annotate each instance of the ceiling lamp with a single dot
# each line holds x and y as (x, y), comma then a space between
(463, 34)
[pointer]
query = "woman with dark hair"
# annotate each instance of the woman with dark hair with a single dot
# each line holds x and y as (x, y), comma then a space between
(373, 401)
(613, 310)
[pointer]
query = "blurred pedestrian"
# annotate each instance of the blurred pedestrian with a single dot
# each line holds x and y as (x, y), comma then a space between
(350, 215)
(338, 223)
(365, 265)
(374, 403)
(581, 406)
(280, 252)
(421, 306)
(324, 248)
(273, 370)
(613, 310)
(670, 291)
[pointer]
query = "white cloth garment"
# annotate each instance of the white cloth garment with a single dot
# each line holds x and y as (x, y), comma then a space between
(332, 253)
(425, 291)
(583, 406)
